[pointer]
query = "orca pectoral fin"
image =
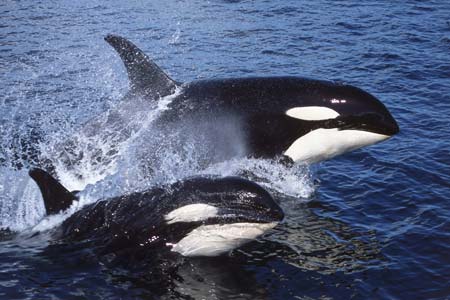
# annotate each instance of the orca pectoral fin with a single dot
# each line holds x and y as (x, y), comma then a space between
(145, 76)
(56, 197)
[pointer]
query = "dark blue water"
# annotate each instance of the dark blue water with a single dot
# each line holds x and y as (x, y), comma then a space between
(371, 224)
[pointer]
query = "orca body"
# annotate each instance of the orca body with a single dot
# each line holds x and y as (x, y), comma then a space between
(196, 217)
(304, 119)
(296, 118)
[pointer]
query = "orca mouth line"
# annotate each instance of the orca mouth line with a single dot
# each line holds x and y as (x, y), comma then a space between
(245, 216)
(367, 122)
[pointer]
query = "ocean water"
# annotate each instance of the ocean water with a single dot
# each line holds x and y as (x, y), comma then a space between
(370, 224)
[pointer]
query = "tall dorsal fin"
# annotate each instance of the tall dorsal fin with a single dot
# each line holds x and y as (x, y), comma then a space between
(56, 197)
(144, 75)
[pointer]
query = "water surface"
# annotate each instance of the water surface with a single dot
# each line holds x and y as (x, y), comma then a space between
(371, 224)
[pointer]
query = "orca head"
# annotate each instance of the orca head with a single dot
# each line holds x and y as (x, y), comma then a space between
(339, 118)
(209, 217)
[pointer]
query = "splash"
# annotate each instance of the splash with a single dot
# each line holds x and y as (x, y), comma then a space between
(294, 181)
(96, 150)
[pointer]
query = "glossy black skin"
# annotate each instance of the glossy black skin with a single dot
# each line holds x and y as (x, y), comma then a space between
(259, 105)
(133, 226)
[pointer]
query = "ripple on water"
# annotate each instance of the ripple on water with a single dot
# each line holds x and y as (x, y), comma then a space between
(371, 224)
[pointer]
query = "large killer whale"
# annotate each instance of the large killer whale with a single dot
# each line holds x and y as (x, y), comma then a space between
(295, 118)
(302, 119)
(198, 216)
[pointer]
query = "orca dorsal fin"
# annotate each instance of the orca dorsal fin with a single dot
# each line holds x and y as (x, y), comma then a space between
(56, 197)
(145, 76)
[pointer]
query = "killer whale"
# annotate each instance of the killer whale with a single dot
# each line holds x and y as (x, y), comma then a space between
(199, 216)
(303, 119)
(295, 118)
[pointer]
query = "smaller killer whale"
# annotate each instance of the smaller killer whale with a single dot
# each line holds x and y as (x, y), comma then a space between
(199, 216)
(303, 119)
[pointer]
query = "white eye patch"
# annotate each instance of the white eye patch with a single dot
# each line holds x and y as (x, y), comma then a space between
(312, 113)
(191, 213)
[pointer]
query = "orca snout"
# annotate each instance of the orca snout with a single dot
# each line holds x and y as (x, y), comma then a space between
(376, 116)
(361, 110)
(376, 122)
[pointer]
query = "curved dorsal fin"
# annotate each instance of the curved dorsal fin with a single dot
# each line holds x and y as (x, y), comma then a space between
(144, 75)
(56, 197)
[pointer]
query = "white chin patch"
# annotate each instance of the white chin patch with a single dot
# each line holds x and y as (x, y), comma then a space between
(312, 113)
(214, 240)
(191, 213)
(322, 144)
